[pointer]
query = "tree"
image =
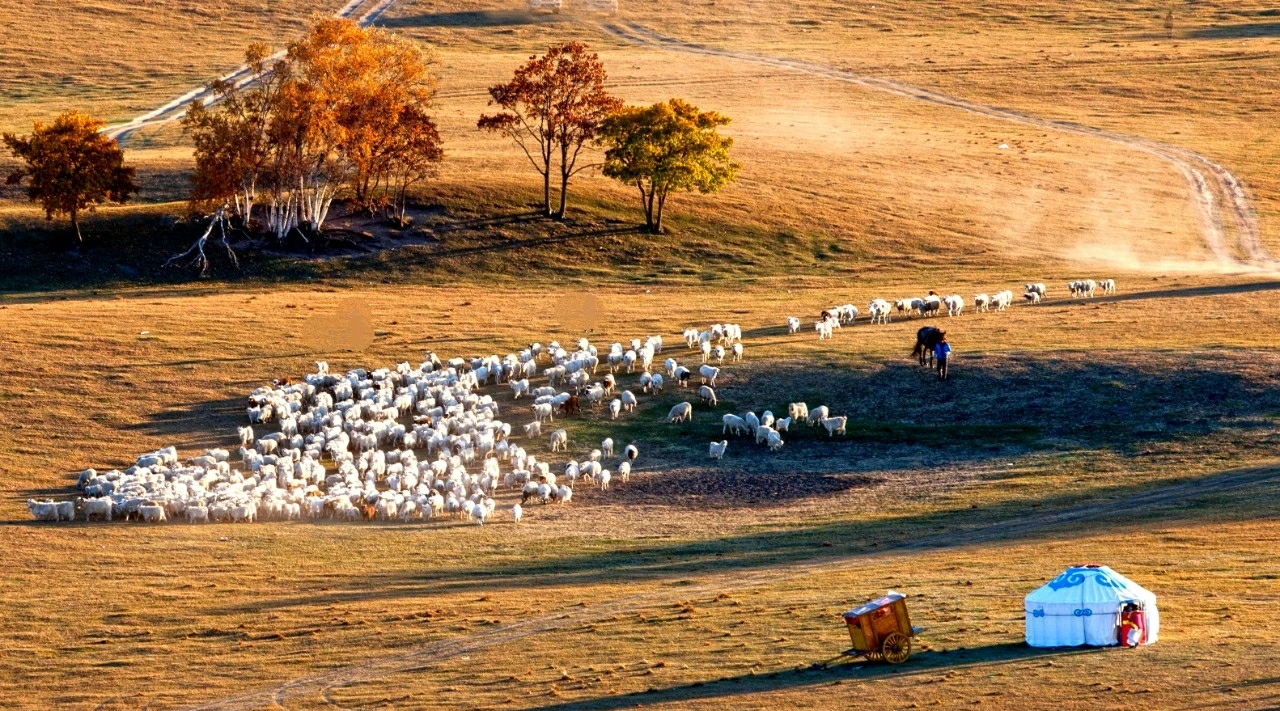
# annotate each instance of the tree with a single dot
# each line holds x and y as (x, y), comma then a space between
(667, 147)
(71, 167)
(413, 158)
(553, 107)
(232, 147)
(328, 115)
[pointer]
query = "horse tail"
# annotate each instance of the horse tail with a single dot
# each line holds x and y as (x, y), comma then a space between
(915, 352)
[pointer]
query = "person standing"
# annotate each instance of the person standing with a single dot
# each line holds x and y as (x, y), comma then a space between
(941, 354)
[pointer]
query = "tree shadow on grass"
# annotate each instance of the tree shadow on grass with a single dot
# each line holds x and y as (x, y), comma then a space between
(1236, 31)
(725, 689)
(474, 18)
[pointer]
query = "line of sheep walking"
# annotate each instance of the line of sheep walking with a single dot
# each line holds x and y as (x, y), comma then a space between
(881, 311)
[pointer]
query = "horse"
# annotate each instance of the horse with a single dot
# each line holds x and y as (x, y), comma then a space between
(926, 338)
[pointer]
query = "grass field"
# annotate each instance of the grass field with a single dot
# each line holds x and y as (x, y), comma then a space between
(1140, 430)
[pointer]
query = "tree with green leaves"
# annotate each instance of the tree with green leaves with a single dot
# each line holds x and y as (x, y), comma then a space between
(70, 167)
(668, 147)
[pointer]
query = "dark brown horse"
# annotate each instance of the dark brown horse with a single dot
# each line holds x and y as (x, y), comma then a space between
(926, 339)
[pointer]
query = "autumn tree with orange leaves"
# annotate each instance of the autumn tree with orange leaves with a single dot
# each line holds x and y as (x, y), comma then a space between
(71, 167)
(346, 109)
(552, 108)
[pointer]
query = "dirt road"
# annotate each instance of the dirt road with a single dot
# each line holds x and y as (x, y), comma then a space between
(425, 656)
(1221, 200)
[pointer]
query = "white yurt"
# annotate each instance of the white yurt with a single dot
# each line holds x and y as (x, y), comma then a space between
(1083, 606)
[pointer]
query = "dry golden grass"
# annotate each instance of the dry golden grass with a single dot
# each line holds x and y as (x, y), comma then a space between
(275, 602)
(1108, 431)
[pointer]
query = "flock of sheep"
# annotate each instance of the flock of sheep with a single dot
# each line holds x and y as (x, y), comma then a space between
(881, 310)
(371, 427)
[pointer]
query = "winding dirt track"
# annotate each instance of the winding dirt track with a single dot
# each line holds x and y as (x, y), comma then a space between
(1209, 181)
(425, 656)
(175, 109)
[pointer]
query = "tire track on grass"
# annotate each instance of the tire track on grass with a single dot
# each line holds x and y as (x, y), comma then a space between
(425, 656)
(1206, 178)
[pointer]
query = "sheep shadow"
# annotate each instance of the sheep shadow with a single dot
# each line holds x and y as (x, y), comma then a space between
(197, 427)
(723, 690)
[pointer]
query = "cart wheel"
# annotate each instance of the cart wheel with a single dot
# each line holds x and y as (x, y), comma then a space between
(896, 648)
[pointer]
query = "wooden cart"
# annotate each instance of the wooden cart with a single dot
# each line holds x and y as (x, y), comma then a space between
(881, 629)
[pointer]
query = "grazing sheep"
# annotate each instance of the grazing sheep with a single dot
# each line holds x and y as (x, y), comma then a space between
(655, 384)
(783, 424)
(981, 303)
(718, 353)
(753, 422)
(818, 414)
(954, 304)
(1002, 300)
(1037, 288)
(707, 395)
(682, 412)
(197, 514)
(709, 373)
(767, 418)
(519, 387)
(151, 513)
(737, 352)
(718, 449)
(793, 324)
(834, 425)
(628, 400)
(533, 429)
(246, 435)
(43, 510)
(824, 329)
(615, 408)
(624, 471)
(559, 440)
(1033, 296)
(631, 453)
(733, 425)
(604, 478)
(606, 447)
(774, 441)
(1108, 286)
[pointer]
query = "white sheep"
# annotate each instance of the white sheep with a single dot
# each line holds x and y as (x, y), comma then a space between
(604, 477)
(1108, 286)
(818, 414)
(533, 429)
(631, 453)
(559, 440)
(954, 304)
(615, 408)
(707, 395)
(737, 352)
(774, 442)
(709, 374)
(1002, 300)
(981, 303)
(606, 447)
(798, 411)
(681, 412)
(793, 324)
(733, 424)
(718, 449)
(624, 471)
(879, 311)
(782, 425)
(824, 329)
(517, 513)
(834, 425)
(628, 400)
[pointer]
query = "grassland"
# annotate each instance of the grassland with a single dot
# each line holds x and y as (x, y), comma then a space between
(1139, 431)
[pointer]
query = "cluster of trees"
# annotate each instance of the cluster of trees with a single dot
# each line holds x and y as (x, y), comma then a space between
(557, 104)
(345, 110)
